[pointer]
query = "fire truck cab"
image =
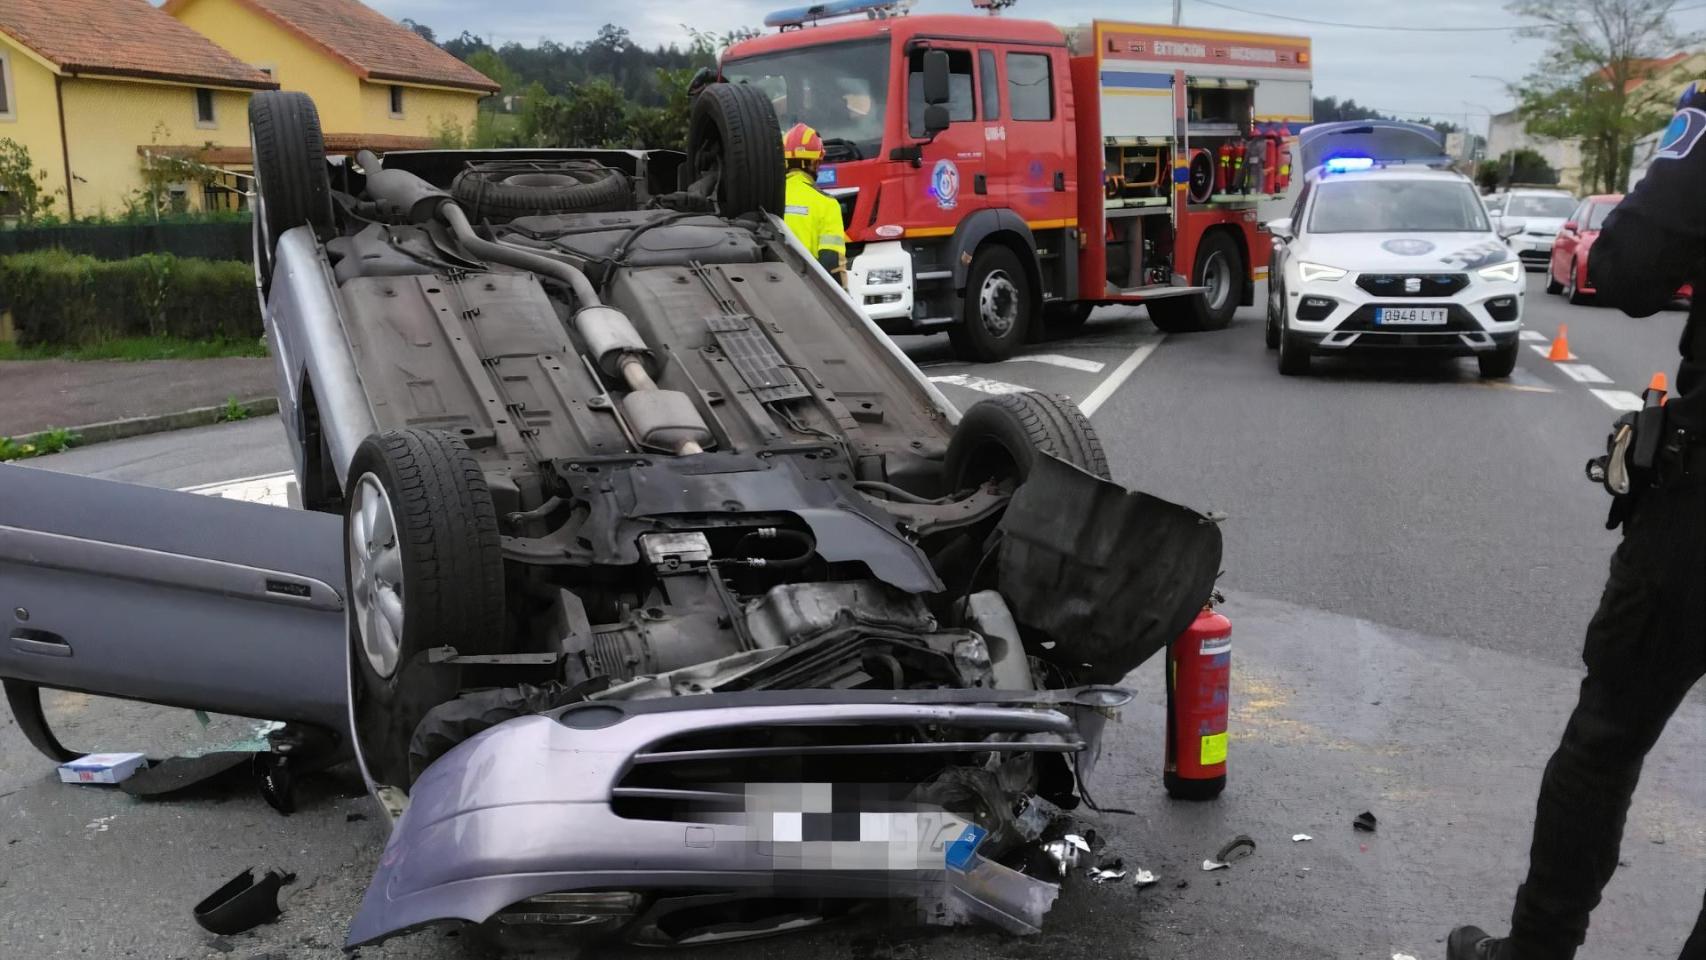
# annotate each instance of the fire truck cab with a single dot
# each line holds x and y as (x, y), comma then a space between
(998, 174)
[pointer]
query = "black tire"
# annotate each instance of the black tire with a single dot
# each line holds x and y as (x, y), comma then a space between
(1220, 266)
(1572, 292)
(998, 439)
(449, 585)
(1066, 319)
(1293, 355)
(1498, 363)
(291, 185)
(576, 186)
(1276, 312)
(1552, 285)
(997, 309)
(733, 130)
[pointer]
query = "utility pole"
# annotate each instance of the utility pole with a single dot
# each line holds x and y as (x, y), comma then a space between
(1176, 5)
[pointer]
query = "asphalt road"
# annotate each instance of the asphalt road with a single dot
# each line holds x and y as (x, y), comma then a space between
(1411, 558)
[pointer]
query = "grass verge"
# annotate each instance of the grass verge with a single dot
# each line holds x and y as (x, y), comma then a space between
(138, 348)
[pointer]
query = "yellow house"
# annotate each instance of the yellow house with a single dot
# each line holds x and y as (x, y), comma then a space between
(94, 89)
(376, 82)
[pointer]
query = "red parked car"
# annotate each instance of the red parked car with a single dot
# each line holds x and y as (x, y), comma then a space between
(1568, 271)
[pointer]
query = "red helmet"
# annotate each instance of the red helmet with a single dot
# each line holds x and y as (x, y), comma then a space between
(801, 144)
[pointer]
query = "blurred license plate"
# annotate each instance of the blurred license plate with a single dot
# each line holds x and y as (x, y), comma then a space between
(1410, 316)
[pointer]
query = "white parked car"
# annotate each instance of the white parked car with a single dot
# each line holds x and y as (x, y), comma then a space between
(1532, 219)
(1379, 258)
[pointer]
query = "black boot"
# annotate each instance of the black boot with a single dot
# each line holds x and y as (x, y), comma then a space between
(1473, 943)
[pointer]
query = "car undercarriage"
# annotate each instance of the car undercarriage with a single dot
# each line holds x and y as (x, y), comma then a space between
(645, 530)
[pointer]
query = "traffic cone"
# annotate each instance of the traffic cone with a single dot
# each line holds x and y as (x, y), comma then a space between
(1661, 384)
(1561, 345)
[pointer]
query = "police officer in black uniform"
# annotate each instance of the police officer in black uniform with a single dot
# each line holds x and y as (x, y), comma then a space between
(1646, 645)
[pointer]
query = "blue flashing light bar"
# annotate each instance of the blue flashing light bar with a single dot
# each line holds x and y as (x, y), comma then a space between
(794, 17)
(1345, 164)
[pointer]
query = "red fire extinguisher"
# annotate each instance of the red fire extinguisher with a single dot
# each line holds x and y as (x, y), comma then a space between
(1199, 676)
(1282, 163)
(1223, 180)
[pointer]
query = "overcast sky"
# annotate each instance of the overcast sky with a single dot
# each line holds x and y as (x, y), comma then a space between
(1396, 71)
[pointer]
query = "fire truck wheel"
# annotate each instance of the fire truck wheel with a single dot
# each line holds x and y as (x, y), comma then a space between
(291, 184)
(425, 570)
(1220, 268)
(997, 314)
(999, 438)
(732, 133)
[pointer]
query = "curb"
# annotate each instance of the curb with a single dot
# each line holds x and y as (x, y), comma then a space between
(159, 423)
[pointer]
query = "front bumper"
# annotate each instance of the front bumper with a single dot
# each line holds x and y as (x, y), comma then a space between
(880, 281)
(1340, 316)
(1533, 250)
(538, 805)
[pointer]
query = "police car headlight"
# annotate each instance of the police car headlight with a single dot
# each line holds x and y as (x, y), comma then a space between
(1311, 272)
(1510, 271)
(885, 275)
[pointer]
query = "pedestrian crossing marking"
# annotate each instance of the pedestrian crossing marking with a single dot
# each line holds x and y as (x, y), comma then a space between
(1583, 373)
(1621, 400)
(1060, 360)
(980, 384)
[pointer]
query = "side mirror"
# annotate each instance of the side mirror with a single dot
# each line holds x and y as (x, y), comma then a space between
(936, 77)
(1280, 229)
(1510, 228)
(935, 119)
(1570, 226)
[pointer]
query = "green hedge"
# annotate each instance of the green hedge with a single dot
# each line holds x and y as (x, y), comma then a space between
(65, 298)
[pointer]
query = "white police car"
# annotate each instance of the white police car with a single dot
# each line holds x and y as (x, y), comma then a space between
(1380, 257)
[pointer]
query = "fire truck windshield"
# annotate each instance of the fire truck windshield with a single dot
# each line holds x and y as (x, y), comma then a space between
(840, 89)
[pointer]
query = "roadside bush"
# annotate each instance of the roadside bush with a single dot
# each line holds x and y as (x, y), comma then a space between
(63, 298)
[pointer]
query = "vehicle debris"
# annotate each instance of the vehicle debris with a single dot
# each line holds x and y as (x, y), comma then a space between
(1215, 865)
(243, 903)
(1242, 842)
(105, 768)
(1066, 851)
(1108, 871)
(1301, 838)
(1144, 878)
(1365, 821)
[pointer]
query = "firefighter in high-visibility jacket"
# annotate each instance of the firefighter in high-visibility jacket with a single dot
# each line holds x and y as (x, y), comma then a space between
(811, 214)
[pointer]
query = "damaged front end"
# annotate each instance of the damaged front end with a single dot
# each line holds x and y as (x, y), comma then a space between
(865, 744)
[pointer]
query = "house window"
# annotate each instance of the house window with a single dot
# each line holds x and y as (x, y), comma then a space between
(178, 197)
(8, 109)
(204, 108)
(1030, 86)
(396, 101)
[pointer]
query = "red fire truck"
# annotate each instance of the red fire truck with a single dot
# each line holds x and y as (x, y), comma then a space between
(996, 173)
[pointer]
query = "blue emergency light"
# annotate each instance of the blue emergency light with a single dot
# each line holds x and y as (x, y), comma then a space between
(1346, 164)
(793, 18)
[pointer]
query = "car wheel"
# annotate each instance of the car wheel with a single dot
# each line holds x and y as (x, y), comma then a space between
(999, 438)
(1293, 353)
(732, 133)
(1498, 363)
(291, 185)
(1276, 310)
(996, 316)
(573, 187)
(424, 570)
(1572, 291)
(1552, 284)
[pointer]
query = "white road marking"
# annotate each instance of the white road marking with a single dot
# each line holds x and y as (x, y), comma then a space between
(1620, 400)
(1545, 350)
(1583, 373)
(1121, 374)
(272, 489)
(980, 384)
(1060, 360)
(1532, 336)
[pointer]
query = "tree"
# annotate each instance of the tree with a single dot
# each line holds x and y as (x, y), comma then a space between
(594, 114)
(420, 28)
(1522, 165)
(1591, 82)
(487, 61)
(23, 192)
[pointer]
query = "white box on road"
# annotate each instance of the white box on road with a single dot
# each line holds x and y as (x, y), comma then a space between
(102, 768)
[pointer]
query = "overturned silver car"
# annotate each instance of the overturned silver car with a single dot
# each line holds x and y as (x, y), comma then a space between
(656, 592)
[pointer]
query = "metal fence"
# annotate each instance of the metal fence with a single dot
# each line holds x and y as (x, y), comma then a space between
(121, 241)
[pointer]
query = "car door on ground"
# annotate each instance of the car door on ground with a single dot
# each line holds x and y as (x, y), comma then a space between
(173, 598)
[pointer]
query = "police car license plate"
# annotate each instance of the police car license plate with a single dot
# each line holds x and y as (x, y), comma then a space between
(1410, 316)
